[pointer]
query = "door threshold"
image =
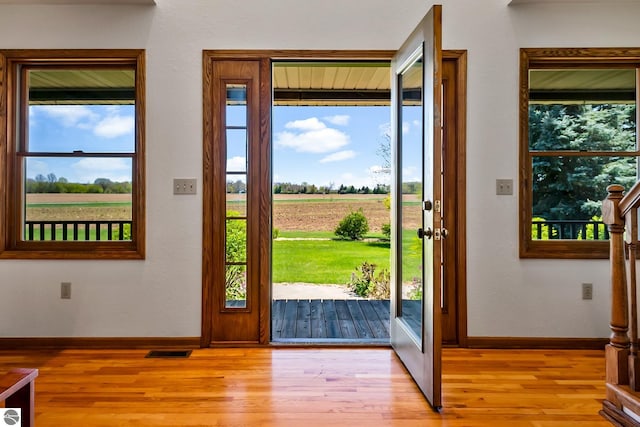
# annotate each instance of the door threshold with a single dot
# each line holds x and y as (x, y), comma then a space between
(331, 342)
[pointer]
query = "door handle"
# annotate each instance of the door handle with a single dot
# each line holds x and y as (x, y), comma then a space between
(445, 233)
(428, 233)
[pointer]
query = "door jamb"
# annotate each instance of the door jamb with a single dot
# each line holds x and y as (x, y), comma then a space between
(266, 56)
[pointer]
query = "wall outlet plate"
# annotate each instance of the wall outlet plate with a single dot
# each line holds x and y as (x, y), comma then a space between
(65, 290)
(587, 291)
(504, 187)
(184, 186)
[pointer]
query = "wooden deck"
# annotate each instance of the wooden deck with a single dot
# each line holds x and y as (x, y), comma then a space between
(317, 319)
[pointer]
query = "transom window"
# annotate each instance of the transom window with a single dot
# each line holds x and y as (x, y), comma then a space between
(578, 136)
(73, 138)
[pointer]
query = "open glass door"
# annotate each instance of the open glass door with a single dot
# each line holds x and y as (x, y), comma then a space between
(416, 252)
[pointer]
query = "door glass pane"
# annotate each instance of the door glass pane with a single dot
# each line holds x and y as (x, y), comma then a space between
(237, 195)
(236, 105)
(236, 199)
(410, 123)
(236, 150)
(236, 260)
(236, 286)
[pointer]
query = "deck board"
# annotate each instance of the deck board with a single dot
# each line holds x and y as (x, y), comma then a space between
(330, 319)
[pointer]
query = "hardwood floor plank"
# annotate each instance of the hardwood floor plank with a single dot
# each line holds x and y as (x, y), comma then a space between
(311, 387)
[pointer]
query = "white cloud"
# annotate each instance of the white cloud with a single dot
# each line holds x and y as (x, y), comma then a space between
(311, 123)
(114, 126)
(237, 164)
(89, 169)
(339, 156)
(338, 120)
(406, 127)
(311, 136)
(69, 115)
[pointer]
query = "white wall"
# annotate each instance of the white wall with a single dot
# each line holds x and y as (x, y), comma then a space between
(161, 295)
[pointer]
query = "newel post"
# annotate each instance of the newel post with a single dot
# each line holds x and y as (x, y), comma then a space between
(617, 351)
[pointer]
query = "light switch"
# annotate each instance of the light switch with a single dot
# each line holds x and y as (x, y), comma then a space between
(184, 186)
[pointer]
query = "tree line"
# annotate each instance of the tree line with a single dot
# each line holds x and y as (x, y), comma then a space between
(305, 188)
(237, 187)
(53, 184)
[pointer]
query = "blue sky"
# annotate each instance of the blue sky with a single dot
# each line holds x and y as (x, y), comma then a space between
(90, 128)
(317, 145)
(329, 145)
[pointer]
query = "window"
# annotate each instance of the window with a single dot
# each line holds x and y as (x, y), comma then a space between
(577, 136)
(72, 154)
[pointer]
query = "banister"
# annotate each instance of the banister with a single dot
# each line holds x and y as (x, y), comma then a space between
(630, 200)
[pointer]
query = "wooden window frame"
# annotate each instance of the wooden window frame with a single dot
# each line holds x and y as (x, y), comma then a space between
(12, 246)
(557, 58)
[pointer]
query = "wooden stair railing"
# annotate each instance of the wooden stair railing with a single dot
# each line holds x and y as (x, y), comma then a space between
(620, 213)
(17, 391)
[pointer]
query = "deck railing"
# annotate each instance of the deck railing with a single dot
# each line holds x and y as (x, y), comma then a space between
(77, 230)
(620, 213)
(569, 229)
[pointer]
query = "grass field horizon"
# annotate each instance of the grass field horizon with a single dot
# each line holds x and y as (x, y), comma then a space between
(302, 218)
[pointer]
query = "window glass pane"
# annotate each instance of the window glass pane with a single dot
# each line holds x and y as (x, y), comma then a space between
(81, 110)
(582, 127)
(568, 193)
(236, 150)
(582, 110)
(236, 286)
(67, 193)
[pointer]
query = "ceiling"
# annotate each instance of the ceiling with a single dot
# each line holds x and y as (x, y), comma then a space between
(582, 85)
(331, 83)
(336, 83)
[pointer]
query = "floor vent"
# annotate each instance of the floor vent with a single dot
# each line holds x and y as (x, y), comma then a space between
(170, 354)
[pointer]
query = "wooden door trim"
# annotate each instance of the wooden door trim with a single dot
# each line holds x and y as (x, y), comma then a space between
(460, 152)
(266, 56)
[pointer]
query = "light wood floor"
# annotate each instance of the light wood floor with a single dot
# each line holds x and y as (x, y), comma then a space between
(311, 387)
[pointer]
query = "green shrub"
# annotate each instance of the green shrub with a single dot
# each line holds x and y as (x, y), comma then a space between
(367, 284)
(353, 226)
(386, 230)
(126, 232)
(275, 233)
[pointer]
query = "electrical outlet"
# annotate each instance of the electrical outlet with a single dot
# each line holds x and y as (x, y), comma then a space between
(184, 186)
(65, 290)
(504, 187)
(587, 291)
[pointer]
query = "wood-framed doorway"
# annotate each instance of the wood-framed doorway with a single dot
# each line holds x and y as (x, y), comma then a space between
(251, 325)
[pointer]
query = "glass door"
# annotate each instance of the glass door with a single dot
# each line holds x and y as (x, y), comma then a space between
(416, 252)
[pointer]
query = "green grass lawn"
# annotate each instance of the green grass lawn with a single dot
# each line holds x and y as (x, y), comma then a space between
(333, 261)
(324, 261)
